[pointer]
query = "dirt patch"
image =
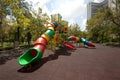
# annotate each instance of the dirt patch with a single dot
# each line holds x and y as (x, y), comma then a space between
(10, 54)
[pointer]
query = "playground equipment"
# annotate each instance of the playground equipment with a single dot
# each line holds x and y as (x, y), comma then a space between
(86, 42)
(58, 35)
(69, 45)
(35, 53)
(61, 42)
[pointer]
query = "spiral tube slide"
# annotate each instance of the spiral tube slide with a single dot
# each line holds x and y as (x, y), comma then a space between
(86, 42)
(73, 38)
(36, 52)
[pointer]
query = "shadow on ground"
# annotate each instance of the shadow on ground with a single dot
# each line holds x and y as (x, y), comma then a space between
(34, 66)
(10, 54)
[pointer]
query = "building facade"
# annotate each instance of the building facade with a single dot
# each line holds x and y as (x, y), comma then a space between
(56, 18)
(92, 7)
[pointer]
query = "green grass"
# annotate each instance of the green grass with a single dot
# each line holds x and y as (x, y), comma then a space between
(6, 45)
(10, 45)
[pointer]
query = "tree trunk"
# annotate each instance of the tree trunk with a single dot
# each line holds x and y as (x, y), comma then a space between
(17, 35)
(119, 38)
(1, 36)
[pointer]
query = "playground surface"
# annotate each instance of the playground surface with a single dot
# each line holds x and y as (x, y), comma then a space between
(102, 63)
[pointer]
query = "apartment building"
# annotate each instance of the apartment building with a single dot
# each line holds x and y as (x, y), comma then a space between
(92, 7)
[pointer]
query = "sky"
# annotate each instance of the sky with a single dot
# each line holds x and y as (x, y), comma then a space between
(73, 11)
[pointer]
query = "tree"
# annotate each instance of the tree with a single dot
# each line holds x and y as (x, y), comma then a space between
(114, 16)
(74, 29)
(23, 18)
(104, 27)
(99, 26)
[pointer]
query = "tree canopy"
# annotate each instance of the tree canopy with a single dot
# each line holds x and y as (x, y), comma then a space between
(105, 25)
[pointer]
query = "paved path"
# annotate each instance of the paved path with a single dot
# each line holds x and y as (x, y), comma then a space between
(102, 63)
